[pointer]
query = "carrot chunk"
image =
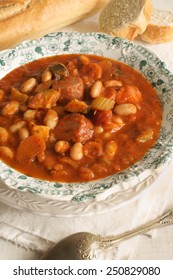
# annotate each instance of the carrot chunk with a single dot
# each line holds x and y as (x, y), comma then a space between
(29, 148)
(129, 94)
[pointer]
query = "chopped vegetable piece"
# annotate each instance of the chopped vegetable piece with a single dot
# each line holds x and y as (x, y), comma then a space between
(128, 94)
(59, 70)
(41, 130)
(91, 70)
(102, 103)
(112, 83)
(50, 160)
(69, 161)
(17, 95)
(77, 106)
(46, 99)
(29, 148)
(43, 86)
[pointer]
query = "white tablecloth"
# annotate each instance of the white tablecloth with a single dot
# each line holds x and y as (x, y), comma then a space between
(26, 236)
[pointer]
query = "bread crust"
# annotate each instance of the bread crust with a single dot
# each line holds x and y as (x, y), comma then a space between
(156, 34)
(5, 3)
(160, 29)
(9, 8)
(43, 16)
(131, 30)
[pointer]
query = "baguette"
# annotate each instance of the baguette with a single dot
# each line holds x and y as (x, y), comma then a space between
(160, 28)
(30, 19)
(125, 18)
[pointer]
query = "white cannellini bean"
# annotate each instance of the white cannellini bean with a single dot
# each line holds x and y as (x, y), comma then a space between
(62, 146)
(3, 135)
(106, 135)
(111, 149)
(46, 76)
(145, 135)
(23, 133)
(29, 114)
(96, 89)
(16, 126)
(11, 108)
(76, 152)
(98, 129)
(84, 59)
(28, 85)
(51, 119)
(6, 152)
(125, 109)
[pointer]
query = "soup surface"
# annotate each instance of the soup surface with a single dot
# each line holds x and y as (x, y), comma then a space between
(74, 118)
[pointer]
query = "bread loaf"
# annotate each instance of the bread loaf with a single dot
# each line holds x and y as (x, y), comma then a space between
(160, 28)
(29, 19)
(125, 18)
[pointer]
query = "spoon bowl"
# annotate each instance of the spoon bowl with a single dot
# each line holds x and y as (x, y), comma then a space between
(78, 246)
(88, 246)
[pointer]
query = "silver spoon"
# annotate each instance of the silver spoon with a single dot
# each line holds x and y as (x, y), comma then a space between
(88, 246)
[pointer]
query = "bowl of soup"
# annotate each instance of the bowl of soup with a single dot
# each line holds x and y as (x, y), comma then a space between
(85, 122)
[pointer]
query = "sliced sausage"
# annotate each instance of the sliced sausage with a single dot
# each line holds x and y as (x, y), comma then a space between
(71, 88)
(74, 127)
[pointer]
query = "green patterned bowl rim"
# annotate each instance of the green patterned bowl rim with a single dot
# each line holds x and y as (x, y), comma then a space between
(122, 50)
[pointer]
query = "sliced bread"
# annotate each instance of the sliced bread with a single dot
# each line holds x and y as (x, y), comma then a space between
(125, 18)
(160, 28)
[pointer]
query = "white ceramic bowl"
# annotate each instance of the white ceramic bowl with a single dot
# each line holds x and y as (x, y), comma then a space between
(69, 199)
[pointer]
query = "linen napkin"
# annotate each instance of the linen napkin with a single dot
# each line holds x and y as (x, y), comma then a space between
(38, 233)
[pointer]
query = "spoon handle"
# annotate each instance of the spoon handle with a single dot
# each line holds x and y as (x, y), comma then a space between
(165, 219)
